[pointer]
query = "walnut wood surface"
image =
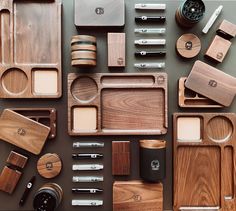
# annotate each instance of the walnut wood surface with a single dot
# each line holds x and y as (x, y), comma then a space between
(28, 43)
(17, 159)
(212, 83)
(228, 28)
(191, 99)
(137, 196)
(126, 104)
(204, 172)
(120, 158)
(23, 132)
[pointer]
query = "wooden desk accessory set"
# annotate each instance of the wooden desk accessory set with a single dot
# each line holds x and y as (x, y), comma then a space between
(117, 104)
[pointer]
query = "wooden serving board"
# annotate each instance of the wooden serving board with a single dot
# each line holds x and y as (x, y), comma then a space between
(30, 49)
(117, 104)
(212, 83)
(204, 161)
(191, 99)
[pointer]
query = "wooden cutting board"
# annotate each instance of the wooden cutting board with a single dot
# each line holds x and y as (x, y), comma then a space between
(117, 104)
(212, 83)
(204, 157)
(22, 131)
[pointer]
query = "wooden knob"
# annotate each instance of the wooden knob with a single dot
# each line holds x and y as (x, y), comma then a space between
(49, 165)
(188, 45)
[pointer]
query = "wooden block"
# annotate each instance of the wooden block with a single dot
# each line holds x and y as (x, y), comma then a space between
(9, 179)
(212, 83)
(137, 196)
(120, 158)
(227, 28)
(23, 132)
(218, 49)
(116, 49)
(49, 165)
(16, 159)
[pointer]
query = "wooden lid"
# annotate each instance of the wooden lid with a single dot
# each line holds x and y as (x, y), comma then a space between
(227, 28)
(84, 38)
(188, 45)
(87, 47)
(83, 62)
(152, 144)
(83, 55)
(49, 165)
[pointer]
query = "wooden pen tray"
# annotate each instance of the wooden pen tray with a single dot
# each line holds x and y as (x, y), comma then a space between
(30, 49)
(204, 161)
(117, 104)
(191, 99)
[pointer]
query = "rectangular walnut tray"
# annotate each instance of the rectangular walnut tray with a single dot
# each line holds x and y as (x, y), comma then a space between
(117, 104)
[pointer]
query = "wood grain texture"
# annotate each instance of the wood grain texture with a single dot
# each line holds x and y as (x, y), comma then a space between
(228, 28)
(16, 159)
(116, 49)
(23, 132)
(9, 179)
(27, 43)
(191, 99)
(126, 104)
(121, 158)
(45, 116)
(137, 196)
(204, 172)
(212, 83)
(49, 165)
(218, 49)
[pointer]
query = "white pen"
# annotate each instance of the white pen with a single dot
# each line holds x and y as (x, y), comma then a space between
(88, 202)
(87, 167)
(87, 145)
(150, 30)
(212, 19)
(158, 65)
(150, 6)
(87, 179)
(150, 42)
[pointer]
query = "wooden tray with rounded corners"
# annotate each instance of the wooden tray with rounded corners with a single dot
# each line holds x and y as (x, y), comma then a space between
(30, 50)
(204, 169)
(117, 104)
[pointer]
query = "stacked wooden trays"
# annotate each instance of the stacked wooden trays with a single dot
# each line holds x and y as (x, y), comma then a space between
(83, 51)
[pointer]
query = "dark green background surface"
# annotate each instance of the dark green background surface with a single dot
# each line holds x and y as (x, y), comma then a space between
(175, 67)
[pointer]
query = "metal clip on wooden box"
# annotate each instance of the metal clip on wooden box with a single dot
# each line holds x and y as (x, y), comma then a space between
(220, 45)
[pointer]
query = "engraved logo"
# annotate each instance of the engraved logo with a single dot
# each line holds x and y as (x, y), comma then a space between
(99, 11)
(120, 61)
(21, 131)
(219, 55)
(155, 164)
(160, 79)
(137, 197)
(212, 83)
(49, 165)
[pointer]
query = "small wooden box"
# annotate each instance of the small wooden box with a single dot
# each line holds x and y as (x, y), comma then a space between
(137, 196)
(120, 158)
(17, 159)
(116, 49)
(227, 28)
(218, 49)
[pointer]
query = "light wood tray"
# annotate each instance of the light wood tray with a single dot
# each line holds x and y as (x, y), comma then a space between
(30, 49)
(120, 104)
(204, 170)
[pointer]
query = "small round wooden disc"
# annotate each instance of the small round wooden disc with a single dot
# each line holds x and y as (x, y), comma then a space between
(49, 165)
(83, 38)
(83, 63)
(188, 45)
(87, 47)
(83, 55)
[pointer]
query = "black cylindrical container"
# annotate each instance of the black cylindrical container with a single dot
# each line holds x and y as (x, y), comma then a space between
(48, 197)
(190, 12)
(152, 160)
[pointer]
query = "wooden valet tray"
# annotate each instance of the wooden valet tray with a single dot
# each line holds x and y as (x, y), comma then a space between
(191, 99)
(30, 50)
(117, 104)
(204, 161)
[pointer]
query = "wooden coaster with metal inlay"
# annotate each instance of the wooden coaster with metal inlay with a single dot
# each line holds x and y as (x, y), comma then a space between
(188, 46)
(49, 165)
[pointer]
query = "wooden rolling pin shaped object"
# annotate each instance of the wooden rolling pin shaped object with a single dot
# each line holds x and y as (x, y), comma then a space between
(212, 83)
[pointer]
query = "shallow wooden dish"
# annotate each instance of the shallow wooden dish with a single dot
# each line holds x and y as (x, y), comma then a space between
(117, 104)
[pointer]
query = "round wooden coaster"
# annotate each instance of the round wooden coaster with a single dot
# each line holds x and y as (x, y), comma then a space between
(86, 47)
(188, 45)
(49, 165)
(83, 55)
(84, 39)
(83, 62)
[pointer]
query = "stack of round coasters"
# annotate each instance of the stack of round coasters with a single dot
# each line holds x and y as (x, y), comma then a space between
(83, 51)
